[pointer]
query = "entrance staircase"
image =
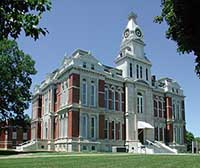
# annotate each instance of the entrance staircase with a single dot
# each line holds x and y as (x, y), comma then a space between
(32, 145)
(157, 147)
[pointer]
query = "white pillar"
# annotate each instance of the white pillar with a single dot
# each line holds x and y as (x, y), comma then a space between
(192, 146)
(131, 119)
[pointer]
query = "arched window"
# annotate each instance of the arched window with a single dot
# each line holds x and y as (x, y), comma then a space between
(141, 72)
(92, 94)
(137, 71)
(119, 101)
(160, 109)
(113, 100)
(131, 70)
(64, 93)
(106, 98)
(147, 74)
(84, 92)
(93, 127)
(140, 103)
(84, 126)
(155, 108)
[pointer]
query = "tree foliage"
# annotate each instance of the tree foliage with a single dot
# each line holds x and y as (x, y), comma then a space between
(16, 69)
(18, 15)
(183, 26)
(189, 138)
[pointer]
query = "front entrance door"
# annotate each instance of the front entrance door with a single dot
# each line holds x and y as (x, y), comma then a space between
(141, 135)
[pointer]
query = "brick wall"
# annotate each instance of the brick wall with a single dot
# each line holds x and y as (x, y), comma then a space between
(101, 126)
(73, 123)
(169, 107)
(169, 132)
(101, 93)
(74, 88)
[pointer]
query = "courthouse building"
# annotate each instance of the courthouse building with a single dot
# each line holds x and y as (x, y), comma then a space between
(85, 105)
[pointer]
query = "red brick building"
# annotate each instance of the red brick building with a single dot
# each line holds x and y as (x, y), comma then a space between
(12, 135)
(85, 105)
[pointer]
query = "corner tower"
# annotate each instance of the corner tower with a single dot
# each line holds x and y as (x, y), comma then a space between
(131, 59)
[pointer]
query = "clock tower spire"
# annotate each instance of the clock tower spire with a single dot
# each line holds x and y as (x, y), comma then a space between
(131, 59)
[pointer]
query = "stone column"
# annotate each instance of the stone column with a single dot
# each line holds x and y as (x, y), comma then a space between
(131, 118)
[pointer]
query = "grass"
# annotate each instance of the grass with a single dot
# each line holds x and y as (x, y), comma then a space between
(104, 161)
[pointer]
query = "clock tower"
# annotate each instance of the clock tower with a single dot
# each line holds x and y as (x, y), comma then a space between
(131, 59)
(136, 70)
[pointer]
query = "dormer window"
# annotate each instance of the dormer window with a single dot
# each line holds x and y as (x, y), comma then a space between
(92, 66)
(84, 65)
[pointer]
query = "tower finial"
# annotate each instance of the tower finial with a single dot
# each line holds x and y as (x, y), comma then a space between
(132, 15)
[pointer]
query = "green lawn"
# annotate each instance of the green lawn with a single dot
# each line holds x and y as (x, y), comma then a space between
(102, 161)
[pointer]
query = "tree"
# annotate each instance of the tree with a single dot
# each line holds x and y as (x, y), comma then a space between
(16, 69)
(189, 138)
(15, 66)
(18, 15)
(182, 19)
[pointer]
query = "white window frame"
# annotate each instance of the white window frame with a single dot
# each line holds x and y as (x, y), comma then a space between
(46, 103)
(14, 135)
(113, 130)
(84, 128)
(119, 101)
(113, 100)
(25, 136)
(64, 93)
(106, 98)
(93, 94)
(106, 128)
(140, 103)
(93, 128)
(84, 94)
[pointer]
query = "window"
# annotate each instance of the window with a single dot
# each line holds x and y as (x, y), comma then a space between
(119, 101)
(46, 103)
(160, 109)
(174, 111)
(131, 70)
(140, 103)
(147, 74)
(64, 93)
(84, 126)
(92, 66)
(155, 108)
(84, 92)
(45, 131)
(25, 137)
(93, 127)
(113, 130)
(141, 72)
(106, 98)
(178, 110)
(93, 96)
(84, 65)
(63, 126)
(14, 135)
(156, 133)
(105, 129)
(118, 131)
(161, 134)
(113, 100)
(93, 148)
(137, 71)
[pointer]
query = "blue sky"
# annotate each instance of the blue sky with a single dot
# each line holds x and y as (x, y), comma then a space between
(97, 26)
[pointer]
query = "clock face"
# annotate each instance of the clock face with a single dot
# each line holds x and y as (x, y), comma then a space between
(126, 33)
(138, 32)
